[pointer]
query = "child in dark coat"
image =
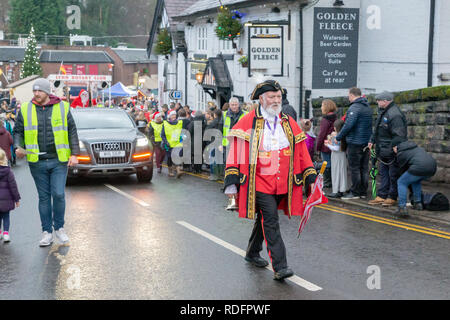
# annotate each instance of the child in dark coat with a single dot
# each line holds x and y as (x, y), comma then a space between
(9, 195)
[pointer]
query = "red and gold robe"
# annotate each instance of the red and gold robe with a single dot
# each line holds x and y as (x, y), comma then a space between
(284, 171)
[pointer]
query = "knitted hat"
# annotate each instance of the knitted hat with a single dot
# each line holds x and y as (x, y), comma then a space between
(43, 85)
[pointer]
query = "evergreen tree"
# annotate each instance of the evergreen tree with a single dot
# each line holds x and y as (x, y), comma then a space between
(31, 64)
(46, 16)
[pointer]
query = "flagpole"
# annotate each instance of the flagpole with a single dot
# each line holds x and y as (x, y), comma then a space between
(59, 71)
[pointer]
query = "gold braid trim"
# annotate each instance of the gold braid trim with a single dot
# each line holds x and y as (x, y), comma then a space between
(239, 134)
(254, 147)
(290, 136)
(308, 172)
(298, 179)
(300, 137)
(231, 171)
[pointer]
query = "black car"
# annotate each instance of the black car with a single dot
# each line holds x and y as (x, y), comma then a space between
(111, 145)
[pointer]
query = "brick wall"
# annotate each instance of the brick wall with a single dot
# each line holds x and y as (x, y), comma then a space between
(428, 115)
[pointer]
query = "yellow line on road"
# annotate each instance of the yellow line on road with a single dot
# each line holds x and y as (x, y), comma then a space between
(365, 216)
(394, 223)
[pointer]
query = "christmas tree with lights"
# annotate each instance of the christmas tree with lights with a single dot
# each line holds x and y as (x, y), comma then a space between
(229, 26)
(31, 64)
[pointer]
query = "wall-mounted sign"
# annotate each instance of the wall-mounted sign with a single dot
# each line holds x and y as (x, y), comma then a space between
(335, 41)
(265, 50)
(196, 68)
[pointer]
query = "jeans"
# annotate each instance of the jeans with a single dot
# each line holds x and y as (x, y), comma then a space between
(403, 182)
(326, 156)
(358, 161)
(4, 216)
(50, 178)
(388, 176)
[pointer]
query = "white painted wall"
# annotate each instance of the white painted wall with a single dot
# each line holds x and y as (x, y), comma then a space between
(392, 57)
(441, 41)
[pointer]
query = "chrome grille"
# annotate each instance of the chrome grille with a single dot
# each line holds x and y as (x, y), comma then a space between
(111, 146)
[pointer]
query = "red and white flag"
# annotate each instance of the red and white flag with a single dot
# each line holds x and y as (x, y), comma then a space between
(315, 198)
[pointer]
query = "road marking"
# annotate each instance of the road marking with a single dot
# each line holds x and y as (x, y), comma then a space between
(411, 227)
(138, 201)
(295, 279)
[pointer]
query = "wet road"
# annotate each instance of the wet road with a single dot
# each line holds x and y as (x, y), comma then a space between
(172, 239)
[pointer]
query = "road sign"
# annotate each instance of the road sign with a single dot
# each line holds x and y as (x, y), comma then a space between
(175, 95)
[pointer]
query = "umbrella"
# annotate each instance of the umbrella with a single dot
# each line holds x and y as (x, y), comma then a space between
(373, 172)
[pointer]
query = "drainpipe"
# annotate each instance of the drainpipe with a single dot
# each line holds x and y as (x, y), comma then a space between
(431, 43)
(300, 111)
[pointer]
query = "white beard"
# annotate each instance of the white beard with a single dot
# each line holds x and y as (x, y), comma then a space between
(273, 112)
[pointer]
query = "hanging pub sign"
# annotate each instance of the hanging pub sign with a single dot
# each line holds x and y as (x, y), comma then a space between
(335, 51)
(265, 50)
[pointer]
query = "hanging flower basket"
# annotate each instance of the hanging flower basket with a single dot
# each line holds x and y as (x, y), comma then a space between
(243, 61)
(229, 26)
(163, 43)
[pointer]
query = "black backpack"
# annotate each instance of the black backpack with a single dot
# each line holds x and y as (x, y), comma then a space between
(435, 201)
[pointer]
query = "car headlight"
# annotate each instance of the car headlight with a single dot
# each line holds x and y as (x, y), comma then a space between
(142, 142)
(82, 146)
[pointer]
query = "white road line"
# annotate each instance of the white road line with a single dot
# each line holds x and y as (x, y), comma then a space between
(295, 279)
(138, 201)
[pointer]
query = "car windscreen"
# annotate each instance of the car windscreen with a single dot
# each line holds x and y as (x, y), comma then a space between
(102, 120)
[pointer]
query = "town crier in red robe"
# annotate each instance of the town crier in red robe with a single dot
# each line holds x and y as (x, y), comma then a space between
(267, 165)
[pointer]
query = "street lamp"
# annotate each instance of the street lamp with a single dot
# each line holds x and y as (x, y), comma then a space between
(199, 77)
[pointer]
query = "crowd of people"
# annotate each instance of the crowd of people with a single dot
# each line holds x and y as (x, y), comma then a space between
(349, 142)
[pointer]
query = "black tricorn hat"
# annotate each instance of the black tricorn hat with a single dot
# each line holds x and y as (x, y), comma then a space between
(268, 85)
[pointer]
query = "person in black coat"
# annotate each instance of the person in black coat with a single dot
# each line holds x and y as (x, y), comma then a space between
(415, 165)
(391, 122)
(286, 108)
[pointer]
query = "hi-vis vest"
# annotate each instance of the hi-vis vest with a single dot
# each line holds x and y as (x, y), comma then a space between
(173, 133)
(157, 127)
(99, 105)
(59, 126)
(226, 126)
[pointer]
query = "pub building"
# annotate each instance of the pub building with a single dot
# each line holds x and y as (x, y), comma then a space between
(314, 48)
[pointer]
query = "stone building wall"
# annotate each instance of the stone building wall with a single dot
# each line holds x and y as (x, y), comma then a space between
(428, 115)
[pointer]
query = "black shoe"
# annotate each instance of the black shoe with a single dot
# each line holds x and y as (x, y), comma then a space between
(334, 195)
(283, 273)
(257, 261)
(402, 212)
(418, 206)
(350, 196)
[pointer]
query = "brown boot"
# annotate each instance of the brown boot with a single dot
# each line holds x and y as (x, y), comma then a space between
(389, 202)
(377, 200)
(179, 171)
(172, 171)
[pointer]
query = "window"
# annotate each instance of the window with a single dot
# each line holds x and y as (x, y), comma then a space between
(202, 39)
(225, 45)
(201, 100)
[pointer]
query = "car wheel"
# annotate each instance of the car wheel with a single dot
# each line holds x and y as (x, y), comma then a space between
(145, 176)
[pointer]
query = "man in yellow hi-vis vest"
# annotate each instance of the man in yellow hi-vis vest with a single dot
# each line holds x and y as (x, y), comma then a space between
(154, 133)
(46, 134)
(172, 142)
(229, 119)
